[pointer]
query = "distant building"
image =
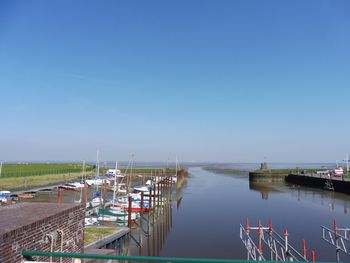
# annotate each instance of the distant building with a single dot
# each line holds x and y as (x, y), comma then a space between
(263, 166)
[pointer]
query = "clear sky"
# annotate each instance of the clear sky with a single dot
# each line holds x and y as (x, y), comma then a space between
(227, 81)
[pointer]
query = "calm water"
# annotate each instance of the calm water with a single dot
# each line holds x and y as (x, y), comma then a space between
(206, 222)
(204, 217)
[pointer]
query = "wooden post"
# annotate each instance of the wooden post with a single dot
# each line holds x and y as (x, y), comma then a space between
(150, 197)
(154, 196)
(142, 205)
(59, 196)
(161, 192)
(84, 198)
(129, 212)
(158, 194)
(304, 249)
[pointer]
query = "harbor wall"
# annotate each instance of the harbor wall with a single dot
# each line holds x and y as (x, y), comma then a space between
(40, 226)
(317, 182)
(266, 177)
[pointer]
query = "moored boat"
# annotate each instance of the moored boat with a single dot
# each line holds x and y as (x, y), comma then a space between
(25, 196)
(4, 196)
(71, 186)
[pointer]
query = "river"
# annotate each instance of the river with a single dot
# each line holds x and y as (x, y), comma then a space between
(213, 205)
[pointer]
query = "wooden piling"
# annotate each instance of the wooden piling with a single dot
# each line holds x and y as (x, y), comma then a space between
(129, 212)
(142, 204)
(59, 196)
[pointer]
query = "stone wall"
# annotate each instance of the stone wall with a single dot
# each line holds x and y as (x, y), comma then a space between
(40, 226)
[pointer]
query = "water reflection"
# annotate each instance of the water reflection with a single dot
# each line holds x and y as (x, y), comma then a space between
(321, 197)
(263, 188)
(151, 231)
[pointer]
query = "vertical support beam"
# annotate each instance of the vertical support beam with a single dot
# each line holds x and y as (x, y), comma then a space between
(59, 196)
(150, 197)
(271, 239)
(129, 212)
(158, 194)
(260, 240)
(154, 196)
(313, 256)
(84, 199)
(142, 205)
(286, 242)
(336, 240)
(304, 248)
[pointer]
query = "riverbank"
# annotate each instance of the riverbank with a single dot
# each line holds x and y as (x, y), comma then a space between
(28, 182)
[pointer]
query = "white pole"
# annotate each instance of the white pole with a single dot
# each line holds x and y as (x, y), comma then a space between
(0, 168)
(97, 165)
(83, 171)
(347, 163)
(176, 166)
(115, 183)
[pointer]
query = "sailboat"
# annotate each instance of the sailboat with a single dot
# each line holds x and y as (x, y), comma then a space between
(98, 181)
(174, 177)
(115, 213)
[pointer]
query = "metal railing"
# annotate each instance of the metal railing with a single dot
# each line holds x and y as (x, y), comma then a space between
(132, 258)
(338, 237)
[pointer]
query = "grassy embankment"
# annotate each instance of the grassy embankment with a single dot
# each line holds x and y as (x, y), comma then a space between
(225, 170)
(20, 176)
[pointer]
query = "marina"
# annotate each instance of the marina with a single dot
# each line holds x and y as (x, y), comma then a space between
(174, 131)
(181, 211)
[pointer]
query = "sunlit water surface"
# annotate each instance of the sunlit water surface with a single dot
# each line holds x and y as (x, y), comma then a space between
(206, 222)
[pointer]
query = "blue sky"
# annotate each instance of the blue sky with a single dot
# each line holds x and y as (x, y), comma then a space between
(226, 81)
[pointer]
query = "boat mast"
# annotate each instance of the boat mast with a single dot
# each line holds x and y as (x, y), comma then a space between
(176, 166)
(132, 162)
(97, 165)
(115, 182)
(83, 172)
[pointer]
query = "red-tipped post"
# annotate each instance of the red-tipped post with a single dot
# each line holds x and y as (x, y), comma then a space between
(286, 239)
(270, 225)
(313, 256)
(259, 228)
(247, 226)
(259, 234)
(335, 226)
(304, 248)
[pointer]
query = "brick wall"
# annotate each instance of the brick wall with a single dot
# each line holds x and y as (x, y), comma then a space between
(34, 225)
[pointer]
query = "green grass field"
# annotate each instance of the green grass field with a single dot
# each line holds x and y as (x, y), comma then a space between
(26, 176)
(21, 170)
